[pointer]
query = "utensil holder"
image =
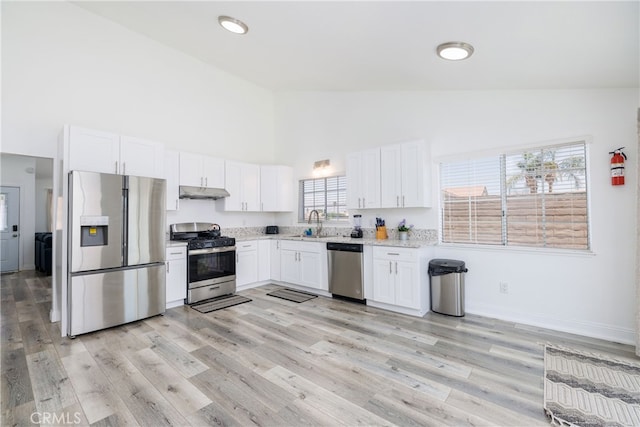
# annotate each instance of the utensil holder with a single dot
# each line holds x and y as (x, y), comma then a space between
(381, 232)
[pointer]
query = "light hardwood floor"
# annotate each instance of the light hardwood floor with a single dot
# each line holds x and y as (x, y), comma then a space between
(272, 362)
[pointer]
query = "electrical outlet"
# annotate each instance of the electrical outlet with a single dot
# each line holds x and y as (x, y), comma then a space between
(504, 288)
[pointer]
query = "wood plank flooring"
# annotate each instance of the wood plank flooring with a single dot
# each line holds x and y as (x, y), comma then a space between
(272, 362)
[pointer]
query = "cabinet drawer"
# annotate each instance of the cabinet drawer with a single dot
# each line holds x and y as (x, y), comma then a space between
(398, 254)
(176, 252)
(247, 246)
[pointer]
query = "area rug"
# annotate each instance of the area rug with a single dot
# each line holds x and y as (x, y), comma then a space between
(588, 390)
(292, 295)
(219, 303)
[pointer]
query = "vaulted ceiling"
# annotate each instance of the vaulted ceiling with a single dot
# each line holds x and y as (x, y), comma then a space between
(391, 45)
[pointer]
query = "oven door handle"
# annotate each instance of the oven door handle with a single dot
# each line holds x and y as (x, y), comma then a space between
(212, 250)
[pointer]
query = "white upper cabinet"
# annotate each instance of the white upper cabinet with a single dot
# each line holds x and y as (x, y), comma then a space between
(201, 171)
(276, 188)
(93, 150)
(172, 175)
(363, 179)
(141, 157)
(96, 151)
(405, 174)
(243, 184)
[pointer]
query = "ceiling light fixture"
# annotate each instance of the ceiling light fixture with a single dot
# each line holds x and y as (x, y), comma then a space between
(232, 24)
(455, 51)
(322, 167)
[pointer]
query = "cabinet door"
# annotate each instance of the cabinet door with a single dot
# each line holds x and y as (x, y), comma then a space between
(406, 284)
(354, 193)
(310, 273)
(383, 281)
(93, 151)
(275, 259)
(264, 260)
(176, 274)
(251, 187)
(233, 182)
(191, 170)
(141, 157)
(246, 264)
(172, 175)
(276, 188)
(370, 178)
(289, 266)
(391, 176)
(213, 172)
(415, 186)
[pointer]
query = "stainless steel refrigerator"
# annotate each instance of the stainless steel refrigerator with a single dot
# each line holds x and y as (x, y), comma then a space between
(116, 250)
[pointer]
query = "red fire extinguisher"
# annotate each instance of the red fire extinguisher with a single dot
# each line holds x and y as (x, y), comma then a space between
(617, 166)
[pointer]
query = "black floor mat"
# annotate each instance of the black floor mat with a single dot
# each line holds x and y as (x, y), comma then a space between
(292, 295)
(220, 303)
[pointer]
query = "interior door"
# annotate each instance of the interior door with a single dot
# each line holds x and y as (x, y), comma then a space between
(9, 229)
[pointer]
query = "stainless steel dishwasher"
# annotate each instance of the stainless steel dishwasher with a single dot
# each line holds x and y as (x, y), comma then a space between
(345, 270)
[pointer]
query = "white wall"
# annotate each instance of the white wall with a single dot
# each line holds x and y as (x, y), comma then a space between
(213, 211)
(18, 171)
(62, 64)
(41, 193)
(592, 294)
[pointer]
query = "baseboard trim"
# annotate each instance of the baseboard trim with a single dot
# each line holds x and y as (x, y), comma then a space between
(587, 329)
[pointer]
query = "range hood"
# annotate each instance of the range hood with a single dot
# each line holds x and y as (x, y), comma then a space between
(187, 192)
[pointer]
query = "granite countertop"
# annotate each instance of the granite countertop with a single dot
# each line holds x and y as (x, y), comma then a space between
(176, 243)
(416, 243)
(417, 239)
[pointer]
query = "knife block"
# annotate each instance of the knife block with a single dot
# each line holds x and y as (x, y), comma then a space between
(381, 232)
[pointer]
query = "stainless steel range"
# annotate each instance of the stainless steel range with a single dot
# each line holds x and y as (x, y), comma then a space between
(211, 260)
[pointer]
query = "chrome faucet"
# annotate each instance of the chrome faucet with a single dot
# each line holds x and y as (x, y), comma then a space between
(318, 223)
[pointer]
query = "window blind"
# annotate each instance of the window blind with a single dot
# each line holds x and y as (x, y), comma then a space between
(535, 198)
(326, 195)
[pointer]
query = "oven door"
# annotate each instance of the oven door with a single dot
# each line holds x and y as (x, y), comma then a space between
(212, 265)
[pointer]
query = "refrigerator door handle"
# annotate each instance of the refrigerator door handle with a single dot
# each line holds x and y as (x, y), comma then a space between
(125, 221)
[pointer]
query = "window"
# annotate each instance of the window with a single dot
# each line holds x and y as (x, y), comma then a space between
(326, 195)
(534, 198)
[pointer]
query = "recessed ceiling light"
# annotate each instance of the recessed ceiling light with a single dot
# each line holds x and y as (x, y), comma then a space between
(234, 25)
(455, 51)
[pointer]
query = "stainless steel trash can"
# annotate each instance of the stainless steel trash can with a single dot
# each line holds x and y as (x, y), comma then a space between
(447, 286)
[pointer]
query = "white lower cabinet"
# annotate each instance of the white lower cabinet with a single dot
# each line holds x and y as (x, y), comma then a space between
(246, 262)
(176, 285)
(275, 259)
(264, 260)
(304, 263)
(400, 280)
